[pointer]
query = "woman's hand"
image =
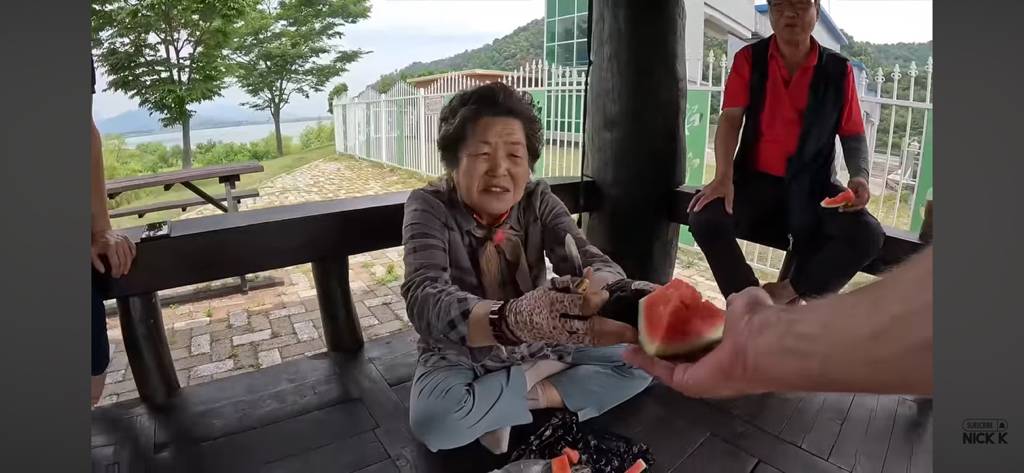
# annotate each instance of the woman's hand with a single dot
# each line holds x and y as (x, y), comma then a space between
(566, 313)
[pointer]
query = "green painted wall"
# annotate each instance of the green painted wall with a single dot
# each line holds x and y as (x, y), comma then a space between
(924, 180)
(698, 108)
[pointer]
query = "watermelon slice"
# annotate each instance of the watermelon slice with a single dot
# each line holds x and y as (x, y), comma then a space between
(572, 455)
(560, 464)
(843, 198)
(637, 467)
(676, 321)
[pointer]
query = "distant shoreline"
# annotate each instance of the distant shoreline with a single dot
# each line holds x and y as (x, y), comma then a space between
(163, 131)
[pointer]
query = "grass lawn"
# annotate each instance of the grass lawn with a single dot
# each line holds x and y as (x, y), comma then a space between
(271, 168)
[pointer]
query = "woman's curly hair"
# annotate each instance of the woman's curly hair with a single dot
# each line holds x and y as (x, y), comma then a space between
(494, 99)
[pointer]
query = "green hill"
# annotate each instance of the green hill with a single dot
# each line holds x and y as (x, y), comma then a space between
(507, 53)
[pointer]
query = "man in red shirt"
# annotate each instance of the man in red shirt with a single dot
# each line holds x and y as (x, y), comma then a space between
(792, 97)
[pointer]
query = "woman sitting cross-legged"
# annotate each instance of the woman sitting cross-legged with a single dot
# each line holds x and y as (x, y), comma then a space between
(497, 338)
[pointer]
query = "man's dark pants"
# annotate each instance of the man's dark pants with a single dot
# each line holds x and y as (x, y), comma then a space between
(842, 245)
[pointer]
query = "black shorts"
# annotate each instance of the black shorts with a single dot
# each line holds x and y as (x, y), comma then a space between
(100, 342)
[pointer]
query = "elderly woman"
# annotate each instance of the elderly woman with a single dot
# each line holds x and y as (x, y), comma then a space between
(497, 338)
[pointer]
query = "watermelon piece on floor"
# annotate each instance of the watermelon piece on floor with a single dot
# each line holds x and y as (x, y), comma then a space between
(843, 198)
(637, 467)
(560, 464)
(572, 455)
(676, 321)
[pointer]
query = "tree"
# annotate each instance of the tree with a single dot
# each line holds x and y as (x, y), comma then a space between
(337, 91)
(167, 54)
(286, 49)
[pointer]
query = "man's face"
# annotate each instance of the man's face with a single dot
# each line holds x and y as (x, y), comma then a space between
(793, 20)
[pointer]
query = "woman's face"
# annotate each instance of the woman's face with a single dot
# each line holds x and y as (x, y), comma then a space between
(494, 167)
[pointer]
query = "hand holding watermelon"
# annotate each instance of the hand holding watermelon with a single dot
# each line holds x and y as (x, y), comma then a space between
(853, 198)
(725, 371)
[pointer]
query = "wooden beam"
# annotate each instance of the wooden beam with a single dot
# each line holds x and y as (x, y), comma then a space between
(223, 246)
(635, 135)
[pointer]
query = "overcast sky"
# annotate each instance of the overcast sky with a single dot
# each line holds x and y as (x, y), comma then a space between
(399, 32)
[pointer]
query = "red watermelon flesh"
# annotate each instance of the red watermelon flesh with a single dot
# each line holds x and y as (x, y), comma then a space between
(843, 198)
(675, 320)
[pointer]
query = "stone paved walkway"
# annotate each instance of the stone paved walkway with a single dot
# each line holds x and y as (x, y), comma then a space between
(212, 337)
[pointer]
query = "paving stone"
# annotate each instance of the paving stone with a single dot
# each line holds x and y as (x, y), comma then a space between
(269, 358)
(180, 353)
(231, 333)
(127, 396)
(192, 323)
(210, 369)
(362, 310)
(306, 331)
(182, 377)
(290, 310)
(259, 322)
(192, 362)
(250, 337)
(245, 356)
(368, 321)
(238, 318)
(281, 326)
(118, 388)
(213, 327)
(199, 380)
(220, 349)
(228, 374)
(313, 315)
(383, 313)
(201, 344)
(388, 299)
(118, 362)
(301, 348)
(384, 329)
(278, 342)
(115, 377)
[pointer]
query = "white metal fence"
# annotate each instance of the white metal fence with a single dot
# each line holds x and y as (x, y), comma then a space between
(400, 128)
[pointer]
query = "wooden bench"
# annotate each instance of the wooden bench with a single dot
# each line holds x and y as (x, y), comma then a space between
(898, 246)
(182, 204)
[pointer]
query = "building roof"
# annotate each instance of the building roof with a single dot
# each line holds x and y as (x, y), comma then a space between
(827, 20)
(468, 72)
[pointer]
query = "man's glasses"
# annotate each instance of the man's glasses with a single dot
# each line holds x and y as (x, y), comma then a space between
(796, 6)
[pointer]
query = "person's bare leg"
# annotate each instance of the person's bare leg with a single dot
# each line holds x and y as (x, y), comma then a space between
(96, 388)
(544, 395)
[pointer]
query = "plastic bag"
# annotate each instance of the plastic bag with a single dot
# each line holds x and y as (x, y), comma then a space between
(600, 451)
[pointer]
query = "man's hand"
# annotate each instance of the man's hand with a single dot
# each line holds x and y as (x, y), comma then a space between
(120, 251)
(861, 195)
(717, 188)
(725, 371)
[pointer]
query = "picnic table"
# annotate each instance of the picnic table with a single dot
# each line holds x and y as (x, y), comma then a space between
(227, 174)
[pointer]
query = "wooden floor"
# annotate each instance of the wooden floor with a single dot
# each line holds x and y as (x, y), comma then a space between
(349, 414)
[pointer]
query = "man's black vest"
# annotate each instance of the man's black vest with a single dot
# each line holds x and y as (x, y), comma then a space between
(809, 170)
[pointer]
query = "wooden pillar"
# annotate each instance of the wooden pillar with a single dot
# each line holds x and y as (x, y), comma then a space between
(342, 332)
(145, 343)
(635, 131)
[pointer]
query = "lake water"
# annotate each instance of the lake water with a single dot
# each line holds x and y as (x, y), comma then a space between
(235, 134)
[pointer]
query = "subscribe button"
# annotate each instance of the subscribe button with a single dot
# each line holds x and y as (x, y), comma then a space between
(985, 425)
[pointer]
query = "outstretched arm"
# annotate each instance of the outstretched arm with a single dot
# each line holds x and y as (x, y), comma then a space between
(875, 339)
